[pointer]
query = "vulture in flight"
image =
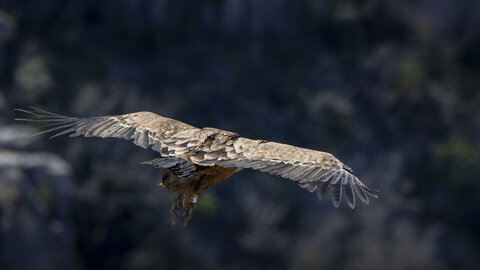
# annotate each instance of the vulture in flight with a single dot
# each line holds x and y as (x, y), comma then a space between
(195, 159)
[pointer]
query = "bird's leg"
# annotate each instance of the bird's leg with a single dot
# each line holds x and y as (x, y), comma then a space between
(176, 208)
(188, 209)
(187, 205)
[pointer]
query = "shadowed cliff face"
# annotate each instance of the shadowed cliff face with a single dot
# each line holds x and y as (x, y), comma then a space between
(35, 219)
(391, 88)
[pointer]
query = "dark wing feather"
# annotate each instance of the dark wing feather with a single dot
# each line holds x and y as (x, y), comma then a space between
(177, 165)
(314, 170)
(145, 129)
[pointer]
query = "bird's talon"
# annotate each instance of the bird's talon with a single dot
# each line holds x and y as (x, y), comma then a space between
(194, 199)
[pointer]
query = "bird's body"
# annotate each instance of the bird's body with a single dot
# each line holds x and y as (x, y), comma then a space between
(195, 159)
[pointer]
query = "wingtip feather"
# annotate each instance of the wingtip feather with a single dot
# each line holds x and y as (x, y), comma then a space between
(22, 110)
(342, 182)
(336, 193)
(349, 195)
(322, 190)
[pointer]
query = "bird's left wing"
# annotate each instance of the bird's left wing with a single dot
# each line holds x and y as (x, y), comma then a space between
(145, 129)
(315, 170)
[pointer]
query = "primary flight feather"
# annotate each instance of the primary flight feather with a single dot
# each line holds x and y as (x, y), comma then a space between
(195, 159)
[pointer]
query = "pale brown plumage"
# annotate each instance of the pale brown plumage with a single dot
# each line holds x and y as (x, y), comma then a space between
(195, 159)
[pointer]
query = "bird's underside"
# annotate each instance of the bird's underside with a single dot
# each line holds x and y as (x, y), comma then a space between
(195, 159)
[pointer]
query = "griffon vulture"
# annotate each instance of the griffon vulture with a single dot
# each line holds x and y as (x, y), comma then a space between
(195, 159)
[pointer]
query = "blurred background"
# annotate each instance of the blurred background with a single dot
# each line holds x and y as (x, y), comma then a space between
(389, 87)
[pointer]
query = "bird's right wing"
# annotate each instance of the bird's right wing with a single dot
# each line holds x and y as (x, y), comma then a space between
(145, 129)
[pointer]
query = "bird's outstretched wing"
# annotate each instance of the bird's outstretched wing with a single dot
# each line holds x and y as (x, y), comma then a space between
(145, 129)
(314, 170)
